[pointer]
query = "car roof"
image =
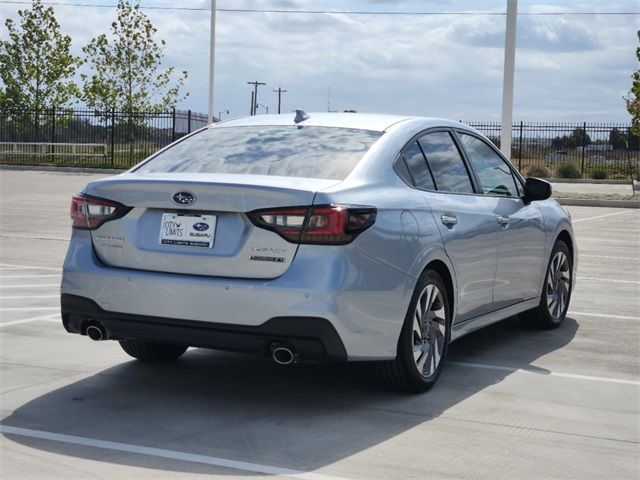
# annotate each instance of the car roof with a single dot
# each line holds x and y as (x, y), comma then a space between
(364, 121)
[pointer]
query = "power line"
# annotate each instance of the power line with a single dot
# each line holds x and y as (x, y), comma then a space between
(319, 12)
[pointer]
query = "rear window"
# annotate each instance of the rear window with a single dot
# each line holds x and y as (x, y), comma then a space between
(292, 151)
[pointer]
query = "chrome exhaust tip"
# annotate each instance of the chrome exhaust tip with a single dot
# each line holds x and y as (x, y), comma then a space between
(283, 355)
(96, 333)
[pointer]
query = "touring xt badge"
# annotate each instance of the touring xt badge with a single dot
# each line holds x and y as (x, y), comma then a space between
(265, 254)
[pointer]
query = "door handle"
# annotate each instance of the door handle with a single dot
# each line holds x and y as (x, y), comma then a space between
(449, 220)
(504, 221)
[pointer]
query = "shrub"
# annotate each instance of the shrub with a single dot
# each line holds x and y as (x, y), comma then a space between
(539, 171)
(599, 173)
(568, 170)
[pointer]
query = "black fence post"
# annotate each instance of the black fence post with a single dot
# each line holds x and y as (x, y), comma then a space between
(584, 145)
(520, 148)
(173, 125)
(113, 136)
(189, 122)
(53, 133)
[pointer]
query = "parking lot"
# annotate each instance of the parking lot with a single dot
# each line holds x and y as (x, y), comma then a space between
(512, 402)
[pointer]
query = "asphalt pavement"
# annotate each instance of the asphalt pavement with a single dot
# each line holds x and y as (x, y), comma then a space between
(512, 403)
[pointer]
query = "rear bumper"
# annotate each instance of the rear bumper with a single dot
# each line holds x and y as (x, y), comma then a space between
(362, 300)
(312, 338)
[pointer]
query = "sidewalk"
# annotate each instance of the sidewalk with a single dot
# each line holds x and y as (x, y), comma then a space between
(593, 188)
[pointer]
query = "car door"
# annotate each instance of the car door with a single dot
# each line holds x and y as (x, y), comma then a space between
(462, 217)
(520, 225)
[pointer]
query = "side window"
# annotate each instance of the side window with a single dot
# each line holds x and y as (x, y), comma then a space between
(417, 166)
(493, 173)
(447, 166)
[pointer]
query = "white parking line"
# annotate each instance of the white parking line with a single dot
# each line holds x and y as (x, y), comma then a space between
(585, 238)
(602, 315)
(601, 216)
(33, 237)
(27, 267)
(582, 255)
(30, 276)
(52, 317)
(26, 309)
(19, 297)
(622, 381)
(608, 280)
(163, 453)
(31, 285)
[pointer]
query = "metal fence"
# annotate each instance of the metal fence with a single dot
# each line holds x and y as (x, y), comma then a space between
(118, 139)
(90, 138)
(578, 150)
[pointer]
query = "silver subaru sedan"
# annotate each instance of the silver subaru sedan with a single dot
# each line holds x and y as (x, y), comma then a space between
(317, 237)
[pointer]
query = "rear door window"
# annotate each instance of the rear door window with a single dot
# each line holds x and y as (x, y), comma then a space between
(417, 166)
(446, 163)
(493, 173)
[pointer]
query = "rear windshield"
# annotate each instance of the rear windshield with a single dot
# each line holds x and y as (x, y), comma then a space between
(292, 151)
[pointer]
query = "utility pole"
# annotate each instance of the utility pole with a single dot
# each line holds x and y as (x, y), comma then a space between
(212, 59)
(251, 107)
(507, 81)
(280, 92)
(254, 102)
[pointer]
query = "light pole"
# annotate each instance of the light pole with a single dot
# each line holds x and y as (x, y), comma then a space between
(507, 81)
(220, 114)
(212, 59)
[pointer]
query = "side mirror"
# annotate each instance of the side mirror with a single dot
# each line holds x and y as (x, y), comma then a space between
(536, 189)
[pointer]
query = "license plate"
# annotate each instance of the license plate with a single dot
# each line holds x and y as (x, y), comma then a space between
(188, 230)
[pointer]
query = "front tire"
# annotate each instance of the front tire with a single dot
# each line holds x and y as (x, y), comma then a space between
(152, 352)
(556, 292)
(424, 339)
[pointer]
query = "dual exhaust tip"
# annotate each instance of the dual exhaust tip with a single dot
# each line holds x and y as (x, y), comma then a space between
(96, 332)
(283, 354)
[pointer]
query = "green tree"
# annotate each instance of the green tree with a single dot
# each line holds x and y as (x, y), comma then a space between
(36, 64)
(633, 99)
(577, 138)
(617, 139)
(126, 67)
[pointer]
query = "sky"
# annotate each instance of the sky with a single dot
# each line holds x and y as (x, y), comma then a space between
(569, 67)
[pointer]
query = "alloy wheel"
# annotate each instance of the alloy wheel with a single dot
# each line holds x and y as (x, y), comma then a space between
(558, 285)
(429, 330)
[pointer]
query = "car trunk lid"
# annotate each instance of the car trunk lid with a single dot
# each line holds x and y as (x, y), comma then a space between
(210, 235)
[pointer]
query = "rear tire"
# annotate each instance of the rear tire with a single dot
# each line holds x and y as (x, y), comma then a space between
(152, 352)
(424, 339)
(556, 292)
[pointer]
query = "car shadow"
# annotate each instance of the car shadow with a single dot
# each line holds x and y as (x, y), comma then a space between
(240, 407)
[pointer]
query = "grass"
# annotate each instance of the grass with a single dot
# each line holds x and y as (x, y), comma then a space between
(596, 196)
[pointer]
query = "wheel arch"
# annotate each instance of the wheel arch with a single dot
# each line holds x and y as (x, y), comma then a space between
(442, 269)
(566, 237)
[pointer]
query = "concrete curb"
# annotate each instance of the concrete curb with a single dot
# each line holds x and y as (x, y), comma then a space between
(584, 202)
(587, 180)
(46, 168)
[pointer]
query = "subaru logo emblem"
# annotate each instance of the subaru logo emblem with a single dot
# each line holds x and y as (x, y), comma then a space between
(201, 226)
(184, 198)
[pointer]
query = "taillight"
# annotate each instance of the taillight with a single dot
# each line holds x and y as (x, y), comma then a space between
(323, 224)
(89, 213)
